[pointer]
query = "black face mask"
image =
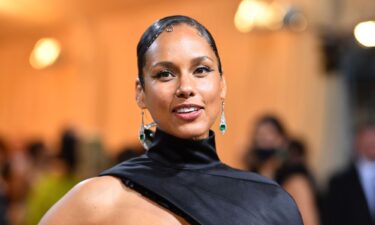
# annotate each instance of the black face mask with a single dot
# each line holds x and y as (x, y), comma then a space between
(263, 154)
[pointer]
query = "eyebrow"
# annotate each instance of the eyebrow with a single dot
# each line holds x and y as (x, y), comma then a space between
(171, 64)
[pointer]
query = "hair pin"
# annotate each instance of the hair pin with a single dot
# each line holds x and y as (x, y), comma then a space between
(169, 28)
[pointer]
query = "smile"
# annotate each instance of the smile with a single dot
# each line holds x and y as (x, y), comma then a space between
(187, 112)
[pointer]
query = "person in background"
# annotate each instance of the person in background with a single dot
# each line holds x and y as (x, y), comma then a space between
(128, 152)
(54, 183)
(17, 179)
(91, 156)
(295, 177)
(350, 197)
(273, 155)
(4, 167)
(269, 146)
(38, 156)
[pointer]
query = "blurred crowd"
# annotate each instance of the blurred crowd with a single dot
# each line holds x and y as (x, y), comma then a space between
(33, 177)
(272, 153)
(350, 196)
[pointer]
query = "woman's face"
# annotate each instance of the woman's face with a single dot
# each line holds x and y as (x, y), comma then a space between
(183, 89)
(267, 137)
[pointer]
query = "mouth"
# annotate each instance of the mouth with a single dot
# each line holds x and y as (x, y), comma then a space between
(186, 108)
(188, 112)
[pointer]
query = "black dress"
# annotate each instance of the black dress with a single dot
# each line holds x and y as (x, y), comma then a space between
(187, 177)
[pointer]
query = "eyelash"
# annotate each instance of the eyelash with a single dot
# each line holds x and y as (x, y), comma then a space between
(198, 70)
(205, 68)
(163, 72)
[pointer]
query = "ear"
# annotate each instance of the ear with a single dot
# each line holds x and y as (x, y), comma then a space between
(223, 84)
(139, 94)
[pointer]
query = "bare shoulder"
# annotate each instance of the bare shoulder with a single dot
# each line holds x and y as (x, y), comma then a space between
(297, 181)
(300, 188)
(89, 202)
(105, 200)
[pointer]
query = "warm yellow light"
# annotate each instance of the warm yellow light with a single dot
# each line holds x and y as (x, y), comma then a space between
(276, 17)
(257, 13)
(244, 19)
(45, 53)
(249, 13)
(364, 33)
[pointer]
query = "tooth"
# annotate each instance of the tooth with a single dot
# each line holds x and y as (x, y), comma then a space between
(185, 110)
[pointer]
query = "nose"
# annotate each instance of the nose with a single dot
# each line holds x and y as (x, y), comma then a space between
(186, 87)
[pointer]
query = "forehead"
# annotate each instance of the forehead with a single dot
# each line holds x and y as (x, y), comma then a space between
(183, 41)
(267, 126)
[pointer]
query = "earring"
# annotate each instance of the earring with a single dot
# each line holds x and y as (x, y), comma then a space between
(142, 134)
(146, 135)
(223, 123)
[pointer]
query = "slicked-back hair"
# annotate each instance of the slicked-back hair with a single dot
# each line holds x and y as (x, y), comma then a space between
(152, 33)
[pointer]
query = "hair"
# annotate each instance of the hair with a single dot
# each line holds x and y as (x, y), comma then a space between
(297, 148)
(68, 149)
(275, 122)
(152, 33)
(364, 125)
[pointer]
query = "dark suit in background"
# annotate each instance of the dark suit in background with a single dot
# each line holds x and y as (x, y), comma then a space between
(345, 201)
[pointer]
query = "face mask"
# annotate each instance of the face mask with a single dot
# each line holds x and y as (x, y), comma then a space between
(264, 154)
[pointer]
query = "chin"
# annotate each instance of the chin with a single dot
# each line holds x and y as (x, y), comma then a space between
(190, 131)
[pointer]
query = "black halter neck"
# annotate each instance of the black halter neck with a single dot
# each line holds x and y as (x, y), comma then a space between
(181, 153)
(187, 178)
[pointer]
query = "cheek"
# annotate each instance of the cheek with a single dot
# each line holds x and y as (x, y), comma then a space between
(158, 97)
(211, 94)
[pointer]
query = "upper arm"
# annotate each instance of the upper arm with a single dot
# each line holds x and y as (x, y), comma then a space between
(89, 202)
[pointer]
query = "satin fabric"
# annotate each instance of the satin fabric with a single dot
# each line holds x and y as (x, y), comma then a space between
(188, 178)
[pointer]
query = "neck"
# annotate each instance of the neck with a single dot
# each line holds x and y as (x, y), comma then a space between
(176, 152)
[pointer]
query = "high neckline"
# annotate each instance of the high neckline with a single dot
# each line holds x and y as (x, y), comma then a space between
(182, 153)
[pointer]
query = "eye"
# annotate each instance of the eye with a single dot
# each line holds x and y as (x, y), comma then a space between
(164, 75)
(201, 70)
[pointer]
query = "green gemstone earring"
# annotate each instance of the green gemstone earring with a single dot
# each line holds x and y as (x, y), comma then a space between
(223, 123)
(146, 135)
(142, 134)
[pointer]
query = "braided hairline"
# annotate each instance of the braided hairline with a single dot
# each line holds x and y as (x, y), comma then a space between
(161, 30)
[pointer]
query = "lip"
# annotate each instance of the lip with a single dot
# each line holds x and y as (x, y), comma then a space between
(190, 116)
(185, 105)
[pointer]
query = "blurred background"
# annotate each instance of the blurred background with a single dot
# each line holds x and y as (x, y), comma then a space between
(68, 70)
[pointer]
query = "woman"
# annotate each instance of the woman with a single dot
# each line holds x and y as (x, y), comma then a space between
(295, 177)
(269, 144)
(274, 156)
(180, 180)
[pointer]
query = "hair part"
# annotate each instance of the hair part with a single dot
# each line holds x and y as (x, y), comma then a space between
(153, 32)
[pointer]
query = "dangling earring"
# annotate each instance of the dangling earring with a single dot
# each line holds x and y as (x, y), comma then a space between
(146, 135)
(223, 123)
(142, 134)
